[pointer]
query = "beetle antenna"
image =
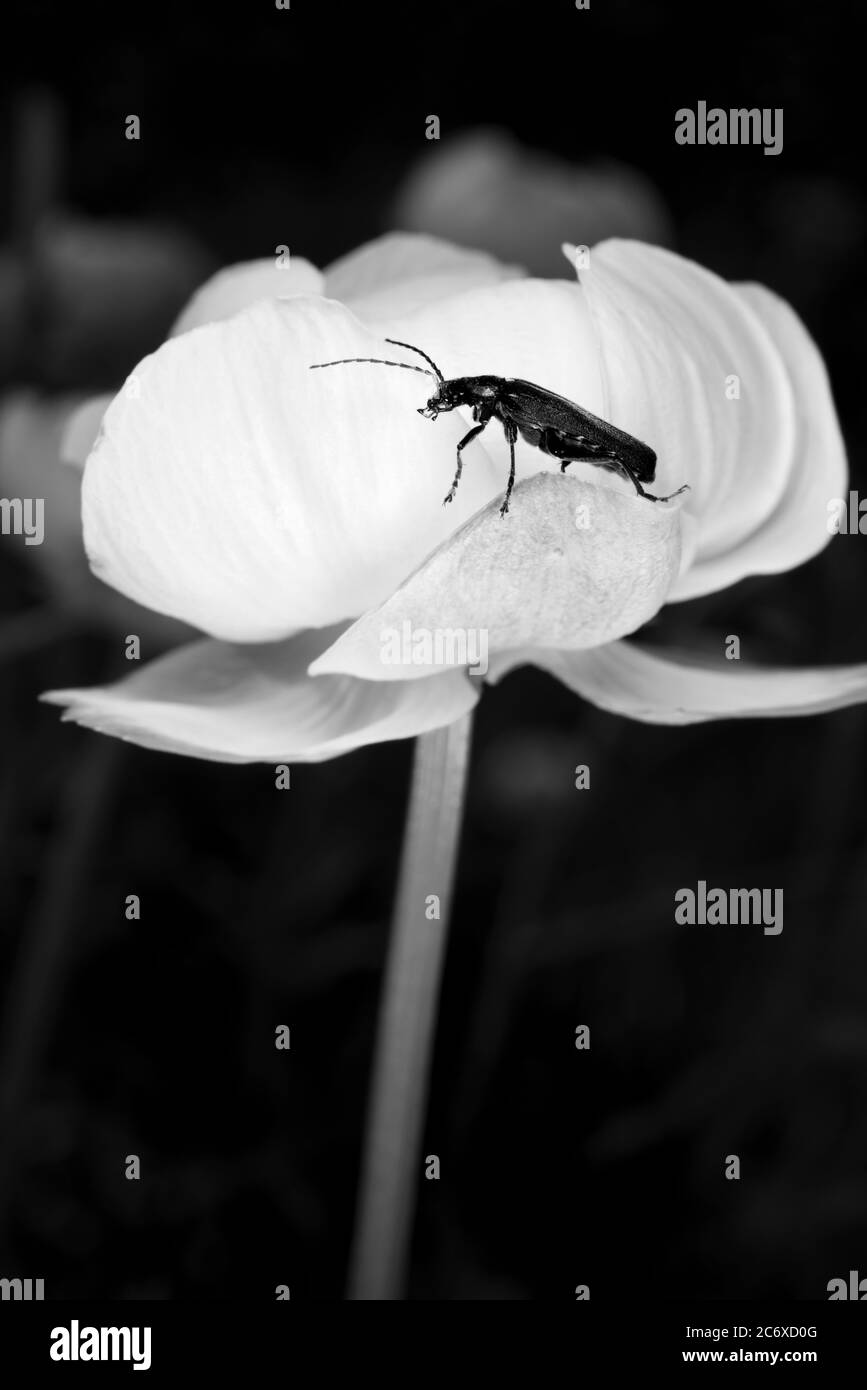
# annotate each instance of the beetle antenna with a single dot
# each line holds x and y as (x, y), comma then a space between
(377, 361)
(394, 342)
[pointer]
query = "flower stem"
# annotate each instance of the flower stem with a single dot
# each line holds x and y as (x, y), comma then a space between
(390, 1170)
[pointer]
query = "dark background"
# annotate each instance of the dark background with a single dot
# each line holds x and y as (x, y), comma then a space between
(259, 908)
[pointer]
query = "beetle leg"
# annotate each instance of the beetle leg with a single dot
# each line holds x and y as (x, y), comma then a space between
(651, 497)
(477, 429)
(588, 455)
(511, 434)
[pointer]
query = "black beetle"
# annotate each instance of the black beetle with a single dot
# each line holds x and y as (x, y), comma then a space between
(558, 427)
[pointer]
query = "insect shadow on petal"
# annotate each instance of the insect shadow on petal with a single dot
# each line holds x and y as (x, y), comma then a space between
(558, 427)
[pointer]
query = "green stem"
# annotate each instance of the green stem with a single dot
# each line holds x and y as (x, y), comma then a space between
(390, 1169)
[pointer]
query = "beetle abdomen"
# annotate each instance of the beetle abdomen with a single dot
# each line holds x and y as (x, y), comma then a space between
(568, 431)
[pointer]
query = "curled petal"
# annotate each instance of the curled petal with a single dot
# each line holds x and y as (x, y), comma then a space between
(238, 286)
(571, 566)
(402, 271)
(726, 385)
(682, 689)
(240, 491)
(241, 704)
(796, 527)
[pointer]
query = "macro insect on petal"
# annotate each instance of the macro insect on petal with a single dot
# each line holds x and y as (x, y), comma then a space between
(551, 423)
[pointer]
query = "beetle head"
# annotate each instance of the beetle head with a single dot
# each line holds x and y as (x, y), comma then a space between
(443, 400)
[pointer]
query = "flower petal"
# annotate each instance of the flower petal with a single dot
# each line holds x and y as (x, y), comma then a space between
(238, 286)
(796, 528)
(682, 689)
(402, 271)
(240, 704)
(238, 490)
(672, 337)
(571, 566)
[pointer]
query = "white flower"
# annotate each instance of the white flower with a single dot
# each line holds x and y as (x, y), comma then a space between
(293, 516)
